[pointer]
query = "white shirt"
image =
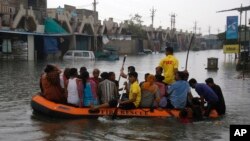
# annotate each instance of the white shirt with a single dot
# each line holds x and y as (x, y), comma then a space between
(73, 97)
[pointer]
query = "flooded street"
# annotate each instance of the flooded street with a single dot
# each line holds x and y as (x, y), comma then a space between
(20, 81)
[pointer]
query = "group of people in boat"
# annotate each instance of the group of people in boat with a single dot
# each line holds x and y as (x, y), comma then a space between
(167, 88)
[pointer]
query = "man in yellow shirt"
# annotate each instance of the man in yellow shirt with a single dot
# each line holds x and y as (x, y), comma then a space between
(134, 93)
(134, 97)
(170, 66)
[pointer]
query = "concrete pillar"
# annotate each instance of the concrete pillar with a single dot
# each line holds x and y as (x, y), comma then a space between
(31, 48)
(73, 42)
(89, 43)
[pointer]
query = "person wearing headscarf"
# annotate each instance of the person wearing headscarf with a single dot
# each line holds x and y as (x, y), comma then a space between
(50, 84)
(150, 96)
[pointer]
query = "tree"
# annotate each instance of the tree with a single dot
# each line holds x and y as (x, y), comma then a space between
(222, 37)
(136, 19)
(135, 27)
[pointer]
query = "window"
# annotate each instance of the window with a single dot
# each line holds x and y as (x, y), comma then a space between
(78, 54)
(68, 54)
(85, 54)
(33, 4)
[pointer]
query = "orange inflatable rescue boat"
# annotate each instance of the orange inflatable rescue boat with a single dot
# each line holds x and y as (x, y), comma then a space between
(44, 106)
(52, 109)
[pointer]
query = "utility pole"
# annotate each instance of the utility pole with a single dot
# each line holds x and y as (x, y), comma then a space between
(209, 38)
(172, 18)
(173, 21)
(209, 30)
(152, 16)
(95, 26)
(195, 27)
(218, 31)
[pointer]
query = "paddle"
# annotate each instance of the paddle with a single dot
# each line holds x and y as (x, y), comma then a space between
(118, 104)
(190, 43)
(124, 59)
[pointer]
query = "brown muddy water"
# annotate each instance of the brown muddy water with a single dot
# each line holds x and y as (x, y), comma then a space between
(19, 82)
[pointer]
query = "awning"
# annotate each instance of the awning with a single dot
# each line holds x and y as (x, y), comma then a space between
(52, 27)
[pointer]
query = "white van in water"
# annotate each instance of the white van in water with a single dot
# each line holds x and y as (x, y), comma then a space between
(79, 54)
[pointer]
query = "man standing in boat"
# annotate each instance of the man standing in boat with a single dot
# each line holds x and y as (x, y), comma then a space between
(170, 66)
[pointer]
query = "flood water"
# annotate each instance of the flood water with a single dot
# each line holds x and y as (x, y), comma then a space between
(19, 81)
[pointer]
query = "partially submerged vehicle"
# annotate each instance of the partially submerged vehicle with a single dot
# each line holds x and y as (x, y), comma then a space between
(109, 54)
(79, 54)
(145, 52)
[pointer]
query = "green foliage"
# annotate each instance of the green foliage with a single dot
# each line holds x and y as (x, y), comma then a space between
(222, 37)
(136, 19)
(135, 27)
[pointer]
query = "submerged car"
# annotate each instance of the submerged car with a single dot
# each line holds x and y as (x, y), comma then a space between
(79, 54)
(145, 51)
(107, 54)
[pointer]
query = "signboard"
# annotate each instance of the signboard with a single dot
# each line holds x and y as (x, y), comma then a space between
(232, 27)
(231, 48)
(50, 45)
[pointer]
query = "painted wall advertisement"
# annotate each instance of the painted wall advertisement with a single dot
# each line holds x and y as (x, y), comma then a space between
(232, 27)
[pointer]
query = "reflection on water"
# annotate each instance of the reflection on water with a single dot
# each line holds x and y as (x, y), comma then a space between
(19, 81)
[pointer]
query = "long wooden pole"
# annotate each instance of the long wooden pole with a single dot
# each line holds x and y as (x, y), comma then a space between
(190, 43)
(124, 59)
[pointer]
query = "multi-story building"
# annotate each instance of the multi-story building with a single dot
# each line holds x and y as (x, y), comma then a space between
(20, 20)
(9, 10)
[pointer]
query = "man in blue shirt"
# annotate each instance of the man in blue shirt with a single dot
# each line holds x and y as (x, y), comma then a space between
(221, 107)
(178, 91)
(205, 93)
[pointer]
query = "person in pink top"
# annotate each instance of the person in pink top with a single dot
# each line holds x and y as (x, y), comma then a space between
(162, 88)
(96, 78)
